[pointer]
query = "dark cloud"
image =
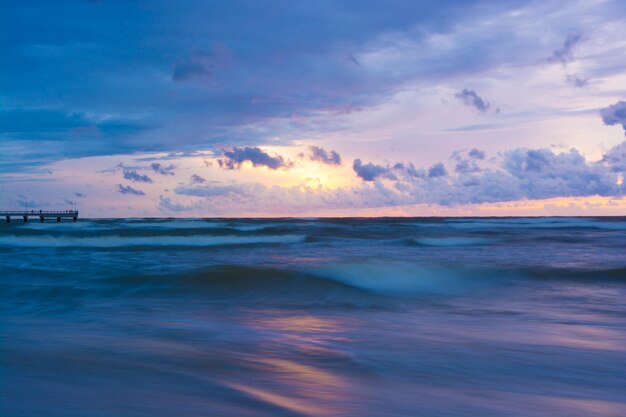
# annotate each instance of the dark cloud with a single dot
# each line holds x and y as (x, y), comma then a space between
(282, 64)
(50, 124)
(129, 190)
(321, 155)
(476, 154)
(79, 195)
(369, 171)
(437, 170)
(134, 176)
(163, 170)
(615, 114)
(273, 71)
(234, 158)
(565, 53)
(196, 179)
(470, 98)
(43, 135)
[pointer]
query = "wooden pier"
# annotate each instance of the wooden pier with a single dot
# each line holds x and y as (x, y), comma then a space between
(25, 214)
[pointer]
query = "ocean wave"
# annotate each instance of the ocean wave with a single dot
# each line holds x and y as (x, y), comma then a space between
(154, 227)
(120, 241)
(537, 223)
(198, 224)
(385, 279)
(407, 279)
(169, 224)
(252, 283)
(410, 279)
(452, 241)
(345, 284)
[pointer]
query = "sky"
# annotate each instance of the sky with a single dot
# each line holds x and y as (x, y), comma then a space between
(130, 108)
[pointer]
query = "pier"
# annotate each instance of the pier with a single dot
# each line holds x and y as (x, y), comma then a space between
(25, 214)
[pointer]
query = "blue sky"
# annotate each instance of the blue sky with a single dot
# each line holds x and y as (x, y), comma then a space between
(314, 108)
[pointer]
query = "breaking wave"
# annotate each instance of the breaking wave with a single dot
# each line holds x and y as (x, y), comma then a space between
(342, 281)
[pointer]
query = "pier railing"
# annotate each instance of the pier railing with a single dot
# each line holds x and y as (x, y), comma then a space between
(42, 214)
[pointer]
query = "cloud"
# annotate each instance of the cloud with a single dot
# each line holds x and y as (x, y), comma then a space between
(372, 172)
(276, 70)
(541, 173)
(57, 125)
(134, 176)
(565, 53)
(167, 204)
(196, 179)
(577, 81)
(201, 65)
(466, 166)
(192, 68)
(615, 115)
(437, 170)
(163, 170)
(519, 174)
(466, 160)
(476, 154)
(129, 190)
(471, 99)
(217, 190)
(615, 158)
(369, 171)
(234, 158)
(326, 157)
(79, 195)
(42, 135)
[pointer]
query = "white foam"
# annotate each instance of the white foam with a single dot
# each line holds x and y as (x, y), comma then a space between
(406, 278)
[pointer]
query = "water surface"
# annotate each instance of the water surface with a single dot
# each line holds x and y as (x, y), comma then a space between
(322, 317)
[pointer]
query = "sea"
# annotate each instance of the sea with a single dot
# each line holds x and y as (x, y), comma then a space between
(314, 317)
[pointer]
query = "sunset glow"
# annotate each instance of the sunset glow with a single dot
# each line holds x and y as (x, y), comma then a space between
(375, 115)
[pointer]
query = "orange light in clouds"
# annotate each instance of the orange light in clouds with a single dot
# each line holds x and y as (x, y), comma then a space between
(325, 176)
(561, 206)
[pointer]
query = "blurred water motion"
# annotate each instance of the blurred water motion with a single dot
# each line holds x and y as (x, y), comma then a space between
(343, 317)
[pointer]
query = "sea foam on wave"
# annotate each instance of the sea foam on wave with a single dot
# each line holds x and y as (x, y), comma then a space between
(407, 278)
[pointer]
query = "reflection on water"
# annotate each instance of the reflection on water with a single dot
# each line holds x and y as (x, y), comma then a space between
(297, 387)
(414, 358)
(300, 383)
(306, 334)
